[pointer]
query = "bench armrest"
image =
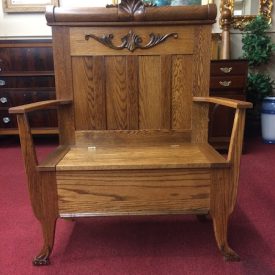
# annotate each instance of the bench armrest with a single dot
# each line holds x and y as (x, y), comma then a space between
(237, 104)
(38, 106)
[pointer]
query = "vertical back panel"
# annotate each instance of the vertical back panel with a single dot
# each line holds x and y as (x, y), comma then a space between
(116, 92)
(182, 68)
(133, 91)
(201, 83)
(89, 95)
(149, 92)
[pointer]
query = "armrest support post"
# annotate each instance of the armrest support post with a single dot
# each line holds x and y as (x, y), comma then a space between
(236, 140)
(30, 158)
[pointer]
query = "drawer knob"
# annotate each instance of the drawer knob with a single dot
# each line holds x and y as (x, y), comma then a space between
(225, 83)
(6, 120)
(3, 100)
(226, 70)
(2, 82)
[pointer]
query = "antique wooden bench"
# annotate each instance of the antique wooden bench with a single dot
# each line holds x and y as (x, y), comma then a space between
(132, 97)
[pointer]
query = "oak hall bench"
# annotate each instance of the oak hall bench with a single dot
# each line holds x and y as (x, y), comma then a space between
(132, 85)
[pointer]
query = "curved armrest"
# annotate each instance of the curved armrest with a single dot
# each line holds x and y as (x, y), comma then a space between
(237, 104)
(38, 106)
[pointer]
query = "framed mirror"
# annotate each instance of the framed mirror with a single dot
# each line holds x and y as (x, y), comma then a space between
(243, 11)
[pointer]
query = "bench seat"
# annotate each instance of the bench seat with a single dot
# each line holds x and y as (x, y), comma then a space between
(180, 155)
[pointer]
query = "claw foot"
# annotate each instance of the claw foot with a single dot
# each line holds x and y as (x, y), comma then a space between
(41, 260)
(230, 255)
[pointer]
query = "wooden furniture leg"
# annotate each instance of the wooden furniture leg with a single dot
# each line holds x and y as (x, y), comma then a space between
(220, 211)
(48, 227)
(42, 191)
(224, 188)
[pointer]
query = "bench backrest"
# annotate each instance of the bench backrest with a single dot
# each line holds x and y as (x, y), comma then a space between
(132, 70)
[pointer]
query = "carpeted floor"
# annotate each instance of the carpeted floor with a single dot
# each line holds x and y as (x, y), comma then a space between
(140, 245)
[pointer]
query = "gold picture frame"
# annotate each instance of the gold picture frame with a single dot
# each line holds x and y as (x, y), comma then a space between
(238, 22)
(21, 6)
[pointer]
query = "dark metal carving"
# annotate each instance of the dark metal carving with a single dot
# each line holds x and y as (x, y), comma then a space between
(131, 41)
(131, 6)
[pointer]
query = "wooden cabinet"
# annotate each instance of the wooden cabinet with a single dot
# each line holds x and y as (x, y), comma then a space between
(228, 79)
(26, 76)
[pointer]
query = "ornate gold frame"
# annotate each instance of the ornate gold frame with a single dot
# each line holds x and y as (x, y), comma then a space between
(238, 22)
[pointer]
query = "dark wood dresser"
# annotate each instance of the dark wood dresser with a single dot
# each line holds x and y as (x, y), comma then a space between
(26, 76)
(228, 79)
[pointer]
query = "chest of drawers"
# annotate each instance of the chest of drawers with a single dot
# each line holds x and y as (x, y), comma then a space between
(227, 79)
(26, 76)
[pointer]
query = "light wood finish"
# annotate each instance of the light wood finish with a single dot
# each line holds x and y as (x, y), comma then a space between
(159, 156)
(225, 101)
(81, 47)
(131, 137)
(33, 131)
(42, 191)
(37, 106)
(133, 142)
(139, 192)
(63, 83)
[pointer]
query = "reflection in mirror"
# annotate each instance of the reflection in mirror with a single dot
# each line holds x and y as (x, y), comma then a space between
(245, 7)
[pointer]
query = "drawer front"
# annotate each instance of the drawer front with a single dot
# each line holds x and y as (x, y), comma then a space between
(7, 120)
(228, 68)
(9, 98)
(113, 38)
(227, 83)
(38, 119)
(26, 59)
(26, 81)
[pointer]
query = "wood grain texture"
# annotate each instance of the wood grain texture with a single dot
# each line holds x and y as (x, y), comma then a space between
(150, 103)
(116, 93)
(47, 104)
(166, 87)
(201, 83)
(220, 204)
(199, 14)
(159, 156)
(233, 103)
(50, 162)
(131, 137)
(89, 93)
(133, 92)
(42, 191)
(184, 44)
(127, 160)
(63, 82)
(182, 83)
(133, 192)
(234, 155)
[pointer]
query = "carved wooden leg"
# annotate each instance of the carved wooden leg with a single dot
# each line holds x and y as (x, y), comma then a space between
(220, 210)
(220, 228)
(47, 215)
(48, 228)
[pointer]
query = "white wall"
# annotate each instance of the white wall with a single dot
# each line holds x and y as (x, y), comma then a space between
(23, 25)
(26, 25)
